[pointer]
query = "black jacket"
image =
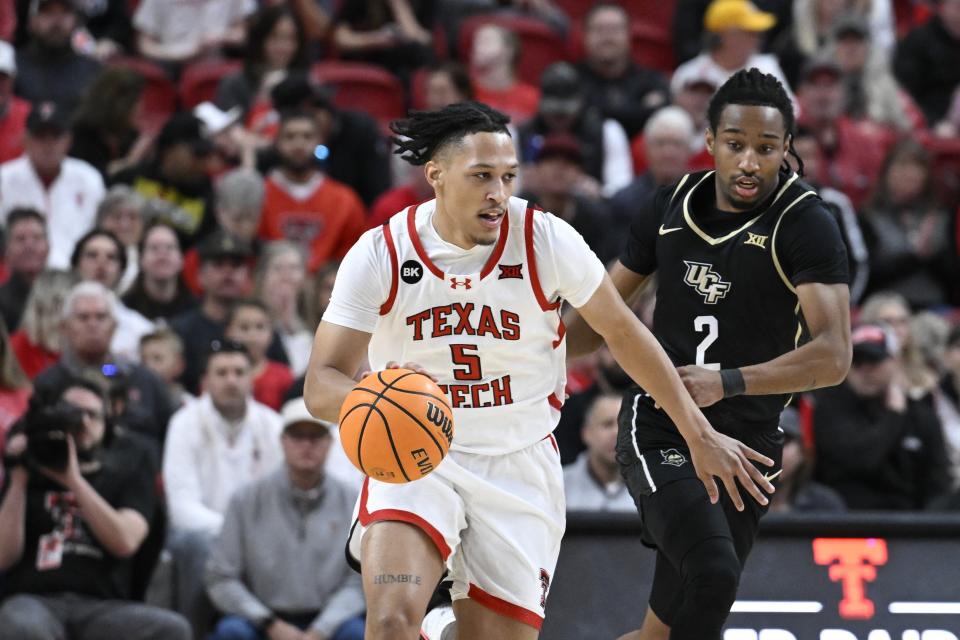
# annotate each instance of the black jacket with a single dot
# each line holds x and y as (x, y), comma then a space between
(926, 64)
(877, 458)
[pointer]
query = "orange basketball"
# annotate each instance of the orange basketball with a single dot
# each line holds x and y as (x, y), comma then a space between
(396, 425)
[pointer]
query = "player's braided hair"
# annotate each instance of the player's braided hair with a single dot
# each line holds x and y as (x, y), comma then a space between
(756, 88)
(421, 135)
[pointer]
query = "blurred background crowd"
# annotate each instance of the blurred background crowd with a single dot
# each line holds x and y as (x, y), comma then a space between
(179, 179)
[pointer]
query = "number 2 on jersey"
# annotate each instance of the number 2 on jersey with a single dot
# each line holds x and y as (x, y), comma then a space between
(712, 327)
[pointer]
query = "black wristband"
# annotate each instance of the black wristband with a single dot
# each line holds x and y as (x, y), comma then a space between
(733, 384)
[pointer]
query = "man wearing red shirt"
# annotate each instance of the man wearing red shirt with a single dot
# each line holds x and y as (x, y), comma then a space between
(13, 110)
(304, 205)
(853, 150)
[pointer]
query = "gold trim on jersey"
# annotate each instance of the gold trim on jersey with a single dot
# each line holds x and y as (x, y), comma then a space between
(796, 338)
(773, 242)
(679, 186)
(715, 241)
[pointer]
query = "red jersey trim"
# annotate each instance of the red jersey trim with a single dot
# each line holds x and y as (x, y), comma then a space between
(397, 515)
(497, 250)
(553, 441)
(555, 402)
(394, 269)
(504, 608)
(417, 245)
(545, 304)
(561, 331)
(434, 269)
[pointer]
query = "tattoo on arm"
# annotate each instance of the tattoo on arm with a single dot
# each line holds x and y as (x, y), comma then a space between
(397, 578)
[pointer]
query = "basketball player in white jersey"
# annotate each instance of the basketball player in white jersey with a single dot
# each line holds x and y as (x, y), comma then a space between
(467, 287)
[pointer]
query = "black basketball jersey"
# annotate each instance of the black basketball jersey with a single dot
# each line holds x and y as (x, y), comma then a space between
(726, 293)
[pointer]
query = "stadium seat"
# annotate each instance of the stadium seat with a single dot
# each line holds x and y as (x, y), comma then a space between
(540, 46)
(946, 167)
(159, 95)
(657, 12)
(652, 47)
(418, 89)
(199, 81)
(363, 87)
(575, 9)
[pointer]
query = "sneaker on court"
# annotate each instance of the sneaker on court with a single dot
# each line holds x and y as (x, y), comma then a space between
(436, 620)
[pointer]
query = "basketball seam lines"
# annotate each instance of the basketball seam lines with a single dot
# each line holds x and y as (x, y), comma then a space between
(386, 388)
(363, 427)
(390, 386)
(393, 446)
(402, 408)
(440, 399)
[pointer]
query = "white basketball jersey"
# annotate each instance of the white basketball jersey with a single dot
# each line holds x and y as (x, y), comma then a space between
(492, 338)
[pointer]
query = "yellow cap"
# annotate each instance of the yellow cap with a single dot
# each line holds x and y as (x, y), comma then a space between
(736, 14)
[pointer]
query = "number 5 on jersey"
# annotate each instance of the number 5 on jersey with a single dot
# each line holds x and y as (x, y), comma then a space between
(469, 363)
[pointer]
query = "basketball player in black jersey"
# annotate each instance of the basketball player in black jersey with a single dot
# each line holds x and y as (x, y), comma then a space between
(752, 305)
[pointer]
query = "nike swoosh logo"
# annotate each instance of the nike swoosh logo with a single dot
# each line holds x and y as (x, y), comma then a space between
(664, 231)
(770, 476)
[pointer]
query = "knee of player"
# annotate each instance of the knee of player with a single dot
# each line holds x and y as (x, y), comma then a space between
(396, 621)
(713, 574)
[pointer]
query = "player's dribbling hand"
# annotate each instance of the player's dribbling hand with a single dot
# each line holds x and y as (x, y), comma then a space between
(724, 457)
(413, 366)
(703, 385)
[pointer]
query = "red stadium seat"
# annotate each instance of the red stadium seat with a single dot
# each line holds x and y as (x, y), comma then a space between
(575, 9)
(363, 87)
(540, 46)
(159, 95)
(652, 47)
(199, 81)
(657, 12)
(418, 89)
(946, 167)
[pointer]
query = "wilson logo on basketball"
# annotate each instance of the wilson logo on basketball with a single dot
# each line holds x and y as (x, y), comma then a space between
(437, 416)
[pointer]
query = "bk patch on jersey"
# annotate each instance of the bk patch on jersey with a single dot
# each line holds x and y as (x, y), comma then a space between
(411, 271)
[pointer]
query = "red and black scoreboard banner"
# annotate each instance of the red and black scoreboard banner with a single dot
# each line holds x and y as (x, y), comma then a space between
(856, 577)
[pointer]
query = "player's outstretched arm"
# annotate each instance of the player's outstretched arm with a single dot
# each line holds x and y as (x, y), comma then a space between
(581, 338)
(642, 357)
(822, 362)
(337, 355)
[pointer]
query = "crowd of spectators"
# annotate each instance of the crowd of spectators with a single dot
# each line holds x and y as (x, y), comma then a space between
(166, 260)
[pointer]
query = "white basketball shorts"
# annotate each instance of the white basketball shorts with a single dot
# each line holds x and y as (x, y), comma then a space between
(505, 558)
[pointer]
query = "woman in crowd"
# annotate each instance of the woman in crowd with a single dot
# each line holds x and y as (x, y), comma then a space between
(907, 230)
(106, 132)
(121, 212)
(37, 342)
(275, 45)
(159, 292)
(280, 279)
